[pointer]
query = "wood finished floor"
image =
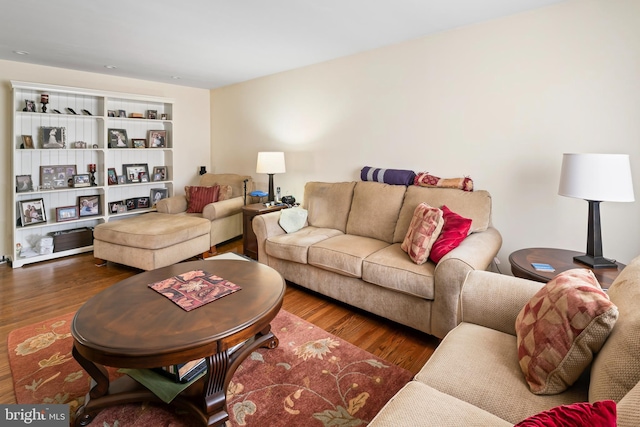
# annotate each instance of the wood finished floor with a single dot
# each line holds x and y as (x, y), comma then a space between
(44, 290)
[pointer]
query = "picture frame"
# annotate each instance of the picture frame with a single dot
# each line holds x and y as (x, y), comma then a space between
(144, 177)
(139, 143)
(131, 204)
(164, 116)
(157, 194)
(53, 137)
(24, 183)
(152, 114)
(32, 212)
(27, 142)
(159, 173)
(111, 113)
(112, 176)
(80, 144)
(116, 207)
(29, 106)
(122, 113)
(81, 180)
(89, 205)
(67, 213)
(57, 176)
(157, 138)
(121, 180)
(118, 138)
(132, 172)
(142, 203)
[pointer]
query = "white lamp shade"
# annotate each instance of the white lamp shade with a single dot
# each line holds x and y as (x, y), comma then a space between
(270, 162)
(596, 177)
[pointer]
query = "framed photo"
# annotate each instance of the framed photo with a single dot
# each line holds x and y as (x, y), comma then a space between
(152, 114)
(79, 144)
(117, 207)
(112, 176)
(142, 202)
(81, 180)
(158, 194)
(53, 137)
(133, 172)
(122, 113)
(121, 179)
(118, 138)
(29, 106)
(32, 212)
(27, 142)
(139, 143)
(52, 177)
(89, 205)
(164, 116)
(144, 177)
(131, 204)
(66, 213)
(157, 138)
(24, 183)
(111, 113)
(159, 173)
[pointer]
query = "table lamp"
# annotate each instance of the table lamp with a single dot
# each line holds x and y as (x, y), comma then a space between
(596, 178)
(270, 162)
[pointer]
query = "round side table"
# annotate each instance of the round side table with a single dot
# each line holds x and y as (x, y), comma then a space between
(561, 260)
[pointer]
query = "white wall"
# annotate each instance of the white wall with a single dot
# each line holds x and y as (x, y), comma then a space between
(498, 101)
(191, 116)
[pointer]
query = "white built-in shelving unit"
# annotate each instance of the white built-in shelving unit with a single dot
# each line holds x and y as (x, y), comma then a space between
(90, 125)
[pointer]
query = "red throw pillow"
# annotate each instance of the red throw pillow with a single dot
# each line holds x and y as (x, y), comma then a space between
(199, 197)
(455, 230)
(601, 414)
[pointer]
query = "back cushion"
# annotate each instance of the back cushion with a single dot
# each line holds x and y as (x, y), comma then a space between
(475, 205)
(235, 181)
(616, 368)
(374, 211)
(328, 204)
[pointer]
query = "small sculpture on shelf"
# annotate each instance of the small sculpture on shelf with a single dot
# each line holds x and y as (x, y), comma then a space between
(44, 99)
(92, 171)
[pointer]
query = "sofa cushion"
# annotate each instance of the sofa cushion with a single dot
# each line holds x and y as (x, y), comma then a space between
(424, 179)
(343, 254)
(292, 220)
(198, 197)
(391, 268)
(601, 414)
(237, 182)
(616, 368)
(475, 205)
(295, 246)
(328, 204)
(480, 365)
(423, 231)
(417, 404)
(374, 210)
(225, 192)
(454, 231)
(388, 176)
(560, 329)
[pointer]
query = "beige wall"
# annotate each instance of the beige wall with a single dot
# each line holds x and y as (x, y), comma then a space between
(498, 101)
(191, 123)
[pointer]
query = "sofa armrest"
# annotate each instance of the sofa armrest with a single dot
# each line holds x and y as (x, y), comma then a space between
(476, 252)
(265, 226)
(172, 205)
(223, 208)
(494, 300)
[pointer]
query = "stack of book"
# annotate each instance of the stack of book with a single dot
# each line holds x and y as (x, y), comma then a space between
(539, 266)
(183, 372)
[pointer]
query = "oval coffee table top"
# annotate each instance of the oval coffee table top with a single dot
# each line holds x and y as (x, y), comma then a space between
(132, 325)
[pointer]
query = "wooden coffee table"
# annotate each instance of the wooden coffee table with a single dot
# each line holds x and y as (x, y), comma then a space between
(129, 325)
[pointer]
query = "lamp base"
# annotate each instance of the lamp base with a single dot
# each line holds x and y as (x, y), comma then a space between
(595, 261)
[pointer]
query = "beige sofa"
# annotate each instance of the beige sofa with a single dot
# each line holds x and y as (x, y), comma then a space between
(350, 250)
(225, 215)
(473, 378)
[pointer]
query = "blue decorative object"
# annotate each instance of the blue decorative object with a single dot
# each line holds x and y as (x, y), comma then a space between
(258, 193)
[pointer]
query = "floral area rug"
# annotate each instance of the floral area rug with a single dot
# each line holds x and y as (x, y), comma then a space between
(312, 379)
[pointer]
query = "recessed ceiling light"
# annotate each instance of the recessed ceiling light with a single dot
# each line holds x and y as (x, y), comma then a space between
(110, 67)
(175, 77)
(21, 52)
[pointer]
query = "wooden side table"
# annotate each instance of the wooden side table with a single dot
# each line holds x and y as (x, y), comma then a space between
(249, 240)
(561, 260)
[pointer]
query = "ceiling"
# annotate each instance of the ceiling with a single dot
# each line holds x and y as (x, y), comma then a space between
(213, 43)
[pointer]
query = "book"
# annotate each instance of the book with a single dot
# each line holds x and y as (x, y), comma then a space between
(183, 372)
(539, 266)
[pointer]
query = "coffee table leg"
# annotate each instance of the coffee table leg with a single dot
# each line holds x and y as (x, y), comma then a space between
(101, 387)
(221, 367)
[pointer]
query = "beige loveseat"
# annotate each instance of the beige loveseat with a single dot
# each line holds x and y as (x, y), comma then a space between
(225, 215)
(350, 250)
(473, 378)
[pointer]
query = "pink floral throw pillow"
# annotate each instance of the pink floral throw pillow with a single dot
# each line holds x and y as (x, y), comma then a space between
(424, 229)
(560, 329)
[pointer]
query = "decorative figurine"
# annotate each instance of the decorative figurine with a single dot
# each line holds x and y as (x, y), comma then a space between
(44, 99)
(92, 171)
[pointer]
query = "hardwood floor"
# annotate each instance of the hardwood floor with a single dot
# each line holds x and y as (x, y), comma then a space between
(44, 290)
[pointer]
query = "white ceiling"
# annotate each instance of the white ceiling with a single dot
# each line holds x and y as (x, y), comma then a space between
(213, 43)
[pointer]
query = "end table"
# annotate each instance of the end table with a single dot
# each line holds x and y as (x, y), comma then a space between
(561, 260)
(249, 240)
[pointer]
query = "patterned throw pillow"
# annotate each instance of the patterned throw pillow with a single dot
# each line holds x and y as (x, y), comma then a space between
(423, 179)
(560, 328)
(454, 231)
(601, 414)
(424, 229)
(225, 192)
(199, 197)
